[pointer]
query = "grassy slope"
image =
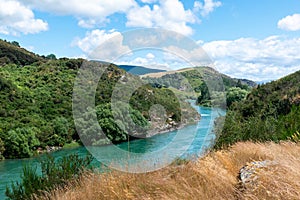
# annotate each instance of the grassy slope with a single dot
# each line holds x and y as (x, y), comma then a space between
(161, 74)
(211, 177)
(139, 70)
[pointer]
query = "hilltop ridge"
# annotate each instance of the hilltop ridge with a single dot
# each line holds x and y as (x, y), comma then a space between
(12, 52)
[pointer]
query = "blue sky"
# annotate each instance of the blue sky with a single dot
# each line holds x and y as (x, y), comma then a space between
(255, 39)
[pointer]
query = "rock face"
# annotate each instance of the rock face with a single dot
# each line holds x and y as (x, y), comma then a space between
(248, 174)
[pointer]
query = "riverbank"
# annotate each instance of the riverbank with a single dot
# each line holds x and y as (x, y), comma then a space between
(168, 127)
(10, 170)
(171, 126)
(158, 126)
(213, 177)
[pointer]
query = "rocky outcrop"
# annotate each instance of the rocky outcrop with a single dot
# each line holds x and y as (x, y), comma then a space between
(249, 173)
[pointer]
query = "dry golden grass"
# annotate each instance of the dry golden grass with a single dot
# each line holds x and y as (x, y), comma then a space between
(160, 74)
(213, 177)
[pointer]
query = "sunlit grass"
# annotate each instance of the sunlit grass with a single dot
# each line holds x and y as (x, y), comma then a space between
(213, 177)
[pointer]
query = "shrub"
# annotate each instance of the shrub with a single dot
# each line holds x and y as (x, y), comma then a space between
(54, 174)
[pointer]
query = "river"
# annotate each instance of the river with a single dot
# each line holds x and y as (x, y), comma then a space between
(10, 170)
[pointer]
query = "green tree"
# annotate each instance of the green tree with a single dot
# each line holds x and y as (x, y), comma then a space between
(15, 43)
(55, 174)
(51, 57)
(235, 94)
(2, 149)
(205, 96)
(60, 131)
(21, 142)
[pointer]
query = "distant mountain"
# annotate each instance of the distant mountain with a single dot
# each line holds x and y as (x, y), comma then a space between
(138, 70)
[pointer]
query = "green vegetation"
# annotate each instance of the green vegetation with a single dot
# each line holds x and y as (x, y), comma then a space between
(271, 112)
(73, 144)
(295, 137)
(2, 149)
(194, 80)
(54, 174)
(36, 109)
(36, 104)
(11, 52)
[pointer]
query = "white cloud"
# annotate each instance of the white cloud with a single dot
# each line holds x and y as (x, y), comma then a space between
(102, 45)
(93, 39)
(207, 7)
(145, 62)
(149, 1)
(15, 18)
(195, 57)
(168, 14)
(266, 59)
(150, 56)
(290, 23)
(140, 17)
(89, 13)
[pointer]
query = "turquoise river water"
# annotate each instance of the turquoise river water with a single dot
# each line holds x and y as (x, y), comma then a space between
(10, 170)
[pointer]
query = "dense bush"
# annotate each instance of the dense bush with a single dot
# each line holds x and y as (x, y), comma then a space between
(270, 112)
(2, 149)
(21, 142)
(36, 105)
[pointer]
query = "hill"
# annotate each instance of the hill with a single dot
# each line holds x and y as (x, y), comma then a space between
(138, 70)
(191, 80)
(36, 105)
(210, 70)
(11, 52)
(270, 112)
(161, 74)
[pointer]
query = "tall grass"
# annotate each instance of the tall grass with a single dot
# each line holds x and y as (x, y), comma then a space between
(213, 177)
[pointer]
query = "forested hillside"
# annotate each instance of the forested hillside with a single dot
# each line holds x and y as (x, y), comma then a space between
(270, 112)
(36, 103)
(11, 52)
(193, 80)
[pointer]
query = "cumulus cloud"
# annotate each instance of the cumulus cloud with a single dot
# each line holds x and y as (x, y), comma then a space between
(150, 56)
(146, 61)
(290, 23)
(266, 59)
(149, 1)
(207, 7)
(89, 13)
(168, 14)
(15, 18)
(195, 57)
(102, 45)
